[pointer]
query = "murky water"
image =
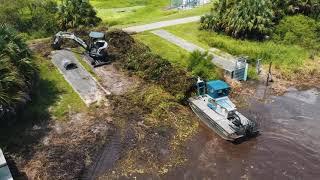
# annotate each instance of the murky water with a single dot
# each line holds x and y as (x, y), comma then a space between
(288, 147)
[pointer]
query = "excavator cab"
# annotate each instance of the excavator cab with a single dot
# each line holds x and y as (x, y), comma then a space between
(97, 46)
(95, 36)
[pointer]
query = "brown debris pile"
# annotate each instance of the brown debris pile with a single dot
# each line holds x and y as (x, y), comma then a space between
(119, 42)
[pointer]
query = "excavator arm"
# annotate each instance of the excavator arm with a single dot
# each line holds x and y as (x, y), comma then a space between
(96, 49)
(57, 41)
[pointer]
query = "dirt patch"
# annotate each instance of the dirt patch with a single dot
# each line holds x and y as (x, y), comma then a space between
(115, 80)
(69, 147)
(41, 47)
(305, 77)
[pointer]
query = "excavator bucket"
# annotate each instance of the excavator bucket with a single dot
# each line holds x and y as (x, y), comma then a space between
(56, 43)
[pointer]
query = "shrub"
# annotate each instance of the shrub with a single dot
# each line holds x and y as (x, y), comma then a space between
(300, 30)
(200, 64)
(76, 13)
(309, 8)
(33, 17)
(17, 71)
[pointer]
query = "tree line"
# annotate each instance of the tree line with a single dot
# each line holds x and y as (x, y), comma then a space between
(42, 18)
(256, 19)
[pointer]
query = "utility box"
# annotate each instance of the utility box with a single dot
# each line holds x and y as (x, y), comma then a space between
(5, 173)
(240, 70)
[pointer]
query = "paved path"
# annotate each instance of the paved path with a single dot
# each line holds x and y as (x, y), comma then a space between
(226, 62)
(161, 24)
(89, 90)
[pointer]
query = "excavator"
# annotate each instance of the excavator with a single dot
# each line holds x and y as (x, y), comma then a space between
(96, 48)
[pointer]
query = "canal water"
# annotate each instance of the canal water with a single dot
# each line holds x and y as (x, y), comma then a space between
(288, 147)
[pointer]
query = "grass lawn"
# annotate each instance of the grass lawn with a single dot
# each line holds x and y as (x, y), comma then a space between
(164, 48)
(54, 96)
(286, 58)
(121, 13)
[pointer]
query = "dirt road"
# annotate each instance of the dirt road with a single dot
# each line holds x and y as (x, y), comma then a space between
(161, 24)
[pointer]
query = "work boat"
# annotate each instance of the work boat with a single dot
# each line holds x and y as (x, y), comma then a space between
(213, 106)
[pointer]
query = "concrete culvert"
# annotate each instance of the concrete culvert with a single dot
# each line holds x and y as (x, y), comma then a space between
(68, 65)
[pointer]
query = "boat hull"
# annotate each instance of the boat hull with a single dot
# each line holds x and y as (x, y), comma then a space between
(210, 123)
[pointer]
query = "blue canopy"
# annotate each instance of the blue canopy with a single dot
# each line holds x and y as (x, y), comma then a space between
(218, 85)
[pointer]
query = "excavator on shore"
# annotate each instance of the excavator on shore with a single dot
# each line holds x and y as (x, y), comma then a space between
(96, 48)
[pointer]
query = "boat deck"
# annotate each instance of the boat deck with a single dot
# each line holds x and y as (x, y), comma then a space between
(201, 104)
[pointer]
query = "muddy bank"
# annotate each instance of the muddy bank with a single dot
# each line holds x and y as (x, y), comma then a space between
(288, 147)
(153, 128)
(305, 77)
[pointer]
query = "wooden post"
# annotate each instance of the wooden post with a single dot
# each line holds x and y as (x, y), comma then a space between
(258, 66)
(269, 78)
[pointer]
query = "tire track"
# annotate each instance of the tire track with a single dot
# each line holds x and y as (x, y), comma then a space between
(107, 158)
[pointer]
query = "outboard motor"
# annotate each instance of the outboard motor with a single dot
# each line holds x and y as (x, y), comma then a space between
(250, 129)
(234, 118)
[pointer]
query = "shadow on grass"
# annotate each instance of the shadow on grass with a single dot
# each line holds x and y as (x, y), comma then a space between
(19, 138)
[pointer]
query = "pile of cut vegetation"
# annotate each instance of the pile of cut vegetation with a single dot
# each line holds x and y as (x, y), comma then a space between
(138, 59)
(119, 42)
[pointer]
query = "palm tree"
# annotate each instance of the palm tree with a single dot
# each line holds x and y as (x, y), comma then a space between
(17, 71)
(241, 18)
(249, 18)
